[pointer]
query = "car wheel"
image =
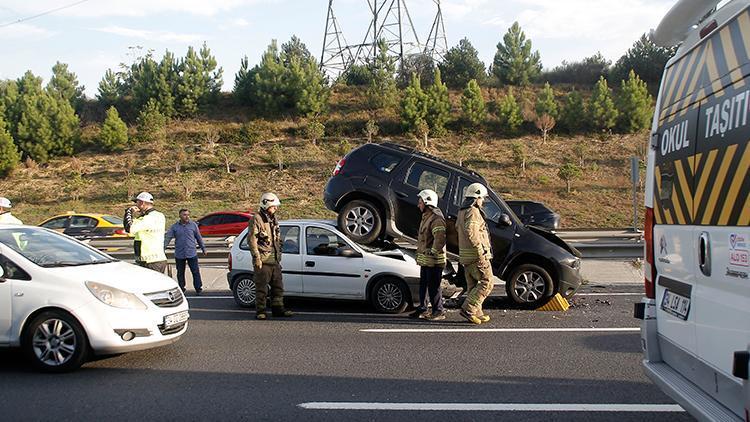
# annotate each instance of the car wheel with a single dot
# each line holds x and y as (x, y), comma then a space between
(54, 341)
(244, 291)
(390, 296)
(530, 286)
(361, 221)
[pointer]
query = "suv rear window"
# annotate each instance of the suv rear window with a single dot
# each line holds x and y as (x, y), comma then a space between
(421, 176)
(385, 162)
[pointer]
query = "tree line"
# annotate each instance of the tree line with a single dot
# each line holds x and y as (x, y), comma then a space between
(38, 122)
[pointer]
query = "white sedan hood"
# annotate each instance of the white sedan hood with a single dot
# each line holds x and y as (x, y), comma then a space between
(121, 275)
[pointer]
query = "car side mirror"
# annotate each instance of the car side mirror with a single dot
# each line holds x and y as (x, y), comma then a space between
(350, 253)
(504, 221)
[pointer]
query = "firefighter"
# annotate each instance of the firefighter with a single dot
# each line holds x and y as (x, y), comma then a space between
(264, 239)
(430, 256)
(474, 253)
(147, 225)
(5, 216)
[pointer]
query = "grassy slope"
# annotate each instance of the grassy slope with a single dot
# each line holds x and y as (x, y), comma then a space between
(602, 198)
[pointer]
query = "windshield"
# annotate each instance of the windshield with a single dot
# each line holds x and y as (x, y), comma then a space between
(50, 249)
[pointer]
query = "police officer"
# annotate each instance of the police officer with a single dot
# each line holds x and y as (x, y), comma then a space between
(264, 239)
(147, 225)
(430, 256)
(474, 253)
(5, 216)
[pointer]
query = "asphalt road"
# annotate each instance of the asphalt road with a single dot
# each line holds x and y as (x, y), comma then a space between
(326, 360)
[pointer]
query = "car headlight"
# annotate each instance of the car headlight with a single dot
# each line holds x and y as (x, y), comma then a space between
(115, 297)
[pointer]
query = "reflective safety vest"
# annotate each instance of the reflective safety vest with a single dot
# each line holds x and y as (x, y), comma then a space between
(473, 237)
(8, 218)
(149, 230)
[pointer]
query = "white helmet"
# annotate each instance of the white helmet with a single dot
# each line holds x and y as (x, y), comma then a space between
(4, 202)
(429, 197)
(268, 200)
(476, 190)
(145, 197)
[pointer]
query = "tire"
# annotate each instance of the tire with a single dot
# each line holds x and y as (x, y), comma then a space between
(54, 341)
(361, 221)
(243, 290)
(390, 296)
(530, 286)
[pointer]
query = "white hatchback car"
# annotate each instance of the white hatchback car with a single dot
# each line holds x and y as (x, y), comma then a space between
(61, 300)
(318, 261)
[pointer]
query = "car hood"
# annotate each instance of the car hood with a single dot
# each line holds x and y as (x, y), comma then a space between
(121, 275)
(554, 239)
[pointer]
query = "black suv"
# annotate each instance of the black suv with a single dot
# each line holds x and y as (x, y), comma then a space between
(535, 214)
(374, 191)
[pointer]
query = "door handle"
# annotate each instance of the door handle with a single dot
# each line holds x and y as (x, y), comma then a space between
(309, 263)
(704, 254)
(401, 194)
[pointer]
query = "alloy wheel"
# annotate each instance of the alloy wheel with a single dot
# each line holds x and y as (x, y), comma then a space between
(390, 296)
(360, 221)
(529, 286)
(246, 291)
(54, 342)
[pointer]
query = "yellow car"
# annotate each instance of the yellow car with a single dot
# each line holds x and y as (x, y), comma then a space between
(86, 225)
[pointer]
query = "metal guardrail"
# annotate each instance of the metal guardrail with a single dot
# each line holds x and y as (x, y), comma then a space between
(602, 244)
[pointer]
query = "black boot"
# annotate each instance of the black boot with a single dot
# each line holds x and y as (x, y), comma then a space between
(279, 311)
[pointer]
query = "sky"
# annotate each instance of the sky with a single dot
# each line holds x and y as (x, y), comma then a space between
(99, 34)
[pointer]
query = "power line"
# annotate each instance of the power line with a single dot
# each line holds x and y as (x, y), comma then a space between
(42, 14)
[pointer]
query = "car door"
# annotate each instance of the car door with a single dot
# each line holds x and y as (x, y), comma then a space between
(81, 226)
(333, 267)
(207, 225)
(291, 259)
(11, 274)
(407, 183)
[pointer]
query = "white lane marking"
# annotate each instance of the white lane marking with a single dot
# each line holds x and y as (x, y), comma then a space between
(252, 312)
(508, 407)
(501, 330)
(608, 294)
(208, 297)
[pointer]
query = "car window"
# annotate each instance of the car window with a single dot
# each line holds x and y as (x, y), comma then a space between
(491, 209)
(111, 219)
(290, 240)
(234, 219)
(385, 162)
(535, 208)
(422, 176)
(12, 271)
(516, 207)
(209, 220)
(56, 223)
(79, 222)
(50, 249)
(324, 242)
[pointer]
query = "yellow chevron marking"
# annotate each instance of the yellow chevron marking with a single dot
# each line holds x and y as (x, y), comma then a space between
(683, 79)
(729, 54)
(676, 206)
(657, 202)
(743, 21)
(694, 77)
(737, 78)
(667, 215)
(691, 164)
(685, 188)
(719, 183)
(713, 71)
(676, 73)
(734, 189)
(744, 219)
(704, 173)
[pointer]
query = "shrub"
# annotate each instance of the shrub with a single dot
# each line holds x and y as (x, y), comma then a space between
(114, 133)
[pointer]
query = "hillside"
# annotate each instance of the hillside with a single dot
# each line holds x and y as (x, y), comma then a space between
(601, 198)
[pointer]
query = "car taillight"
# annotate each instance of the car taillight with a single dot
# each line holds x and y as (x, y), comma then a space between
(229, 262)
(649, 268)
(339, 167)
(120, 232)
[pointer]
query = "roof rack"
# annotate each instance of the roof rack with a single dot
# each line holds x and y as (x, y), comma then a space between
(410, 150)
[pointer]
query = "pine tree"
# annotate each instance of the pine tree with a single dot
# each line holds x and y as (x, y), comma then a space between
(438, 105)
(315, 93)
(381, 92)
(462, 64)
(114, 133)
(110, 89)
(267, 91)
(191, 87)
(602, 112)
(65, 126)
(9, 156)
(545, 102)
(573, 114)
(243, 83)
(413, 105)
(569, 172)
(472, 104)
(212, 76)
(152, 124)
(509, 113)
(165, 84)
(634, 105)
(514, 62)
(65, 84)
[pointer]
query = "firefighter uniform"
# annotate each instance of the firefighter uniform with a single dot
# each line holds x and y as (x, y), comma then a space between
(475, 255)
(264, 239)
(431, 258)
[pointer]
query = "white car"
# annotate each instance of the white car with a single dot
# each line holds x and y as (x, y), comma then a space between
(62, 300)
(318, 261)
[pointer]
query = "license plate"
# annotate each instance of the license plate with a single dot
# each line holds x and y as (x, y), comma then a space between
(176, 319)
(675, 304)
